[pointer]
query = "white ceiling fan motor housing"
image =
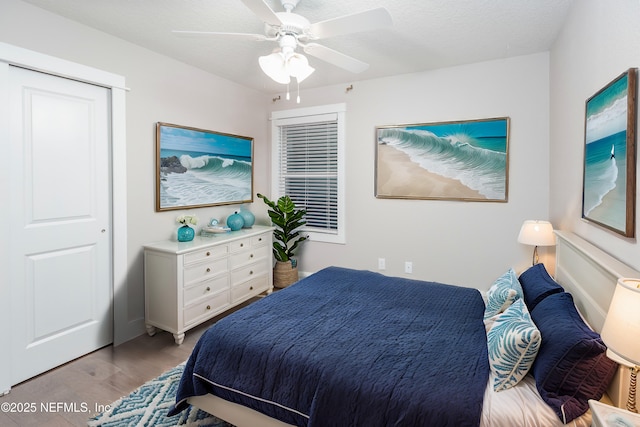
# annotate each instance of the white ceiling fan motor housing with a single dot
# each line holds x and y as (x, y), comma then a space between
(291, 24)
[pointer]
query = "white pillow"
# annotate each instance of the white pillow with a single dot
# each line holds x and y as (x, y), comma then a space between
(513, 343)
(504, 291)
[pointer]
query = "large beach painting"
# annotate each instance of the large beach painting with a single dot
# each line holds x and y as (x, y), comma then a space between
(197, 168)
(608, 195)
(458, 160)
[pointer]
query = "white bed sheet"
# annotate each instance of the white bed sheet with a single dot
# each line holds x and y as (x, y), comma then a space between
(522, 406)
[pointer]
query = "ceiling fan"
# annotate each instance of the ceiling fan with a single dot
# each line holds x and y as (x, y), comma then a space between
(291, 30)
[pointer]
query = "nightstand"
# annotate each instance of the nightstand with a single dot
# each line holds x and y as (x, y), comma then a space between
(609, 416)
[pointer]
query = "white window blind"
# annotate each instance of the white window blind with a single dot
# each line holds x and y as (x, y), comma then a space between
(308, 168)
(309, 171)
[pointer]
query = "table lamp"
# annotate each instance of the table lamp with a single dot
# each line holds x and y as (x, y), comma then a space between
(537, 233)
(621, 331)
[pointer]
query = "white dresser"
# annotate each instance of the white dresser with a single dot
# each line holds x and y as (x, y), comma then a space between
(187, 283)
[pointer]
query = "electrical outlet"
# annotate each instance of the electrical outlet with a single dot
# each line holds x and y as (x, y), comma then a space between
(408, 267)
(382, 264)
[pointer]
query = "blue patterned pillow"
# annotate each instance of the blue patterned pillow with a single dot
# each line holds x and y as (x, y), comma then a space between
(505, 290)
(513, 343)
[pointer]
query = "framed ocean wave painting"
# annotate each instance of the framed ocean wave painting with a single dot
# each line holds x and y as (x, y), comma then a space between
(458, 160)
(197, 168)
(609, 177)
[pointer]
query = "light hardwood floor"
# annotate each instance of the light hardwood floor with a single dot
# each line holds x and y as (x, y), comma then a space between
(72, 393)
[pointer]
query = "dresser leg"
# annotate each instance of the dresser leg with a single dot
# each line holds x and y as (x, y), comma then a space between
(151, 330)
(179, 338)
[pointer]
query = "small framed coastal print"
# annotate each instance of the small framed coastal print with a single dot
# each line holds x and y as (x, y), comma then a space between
(457, 160)
(197, 168)
(609, 177)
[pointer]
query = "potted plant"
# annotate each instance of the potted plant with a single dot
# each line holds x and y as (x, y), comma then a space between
(287, 219)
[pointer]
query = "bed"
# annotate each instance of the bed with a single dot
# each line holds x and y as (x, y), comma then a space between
(357, 348)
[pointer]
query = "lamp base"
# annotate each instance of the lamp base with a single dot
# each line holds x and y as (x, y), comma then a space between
(631, 400)
(534, 260)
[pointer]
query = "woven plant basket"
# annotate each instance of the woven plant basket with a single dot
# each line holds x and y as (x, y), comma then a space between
(284, 274)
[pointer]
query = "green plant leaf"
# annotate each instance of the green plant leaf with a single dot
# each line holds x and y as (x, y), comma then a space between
(286, 205)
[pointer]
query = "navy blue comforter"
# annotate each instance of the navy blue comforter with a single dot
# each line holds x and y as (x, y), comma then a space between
(349, 348)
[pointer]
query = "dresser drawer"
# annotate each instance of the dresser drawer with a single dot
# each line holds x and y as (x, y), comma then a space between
(249, 289)
(206, 308)
(212, 252)
(205, 289)
(259, 240)
(240, 245)
(204, 270)
(252, 255)
(249, 272)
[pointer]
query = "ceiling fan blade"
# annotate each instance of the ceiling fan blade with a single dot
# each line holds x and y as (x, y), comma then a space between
(362, 21)
(336, 58)
(264, 12)
(257, 37)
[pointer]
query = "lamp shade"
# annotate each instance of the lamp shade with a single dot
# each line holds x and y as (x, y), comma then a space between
(621, 330)
(274, 66)
(537, 233)
(298, 66)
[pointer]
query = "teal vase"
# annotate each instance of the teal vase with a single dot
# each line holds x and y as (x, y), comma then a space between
(235, 222)
(186, 233)
(248, 217)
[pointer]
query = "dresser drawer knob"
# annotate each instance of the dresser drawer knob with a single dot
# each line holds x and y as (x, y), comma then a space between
(208, 307)
(260, 239)
(241, 245)
(251, 272)
(208, 270)
(251, 256)
(208, 288)
(208, 253)
(251, 288)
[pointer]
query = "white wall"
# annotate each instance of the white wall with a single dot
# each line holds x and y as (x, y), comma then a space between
(600, 40)
(163, 90)
(466, 243)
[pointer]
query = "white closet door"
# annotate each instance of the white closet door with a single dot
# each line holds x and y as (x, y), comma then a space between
(61, 292)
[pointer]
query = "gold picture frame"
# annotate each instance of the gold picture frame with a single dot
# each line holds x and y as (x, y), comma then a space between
(198, 168)
(457, 160)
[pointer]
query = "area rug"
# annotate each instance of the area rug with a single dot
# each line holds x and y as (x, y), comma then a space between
(149, 404)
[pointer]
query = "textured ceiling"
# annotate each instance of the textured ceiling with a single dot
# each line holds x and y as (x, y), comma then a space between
(427, 34)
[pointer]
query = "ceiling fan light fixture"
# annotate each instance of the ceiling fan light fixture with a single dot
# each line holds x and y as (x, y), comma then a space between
(298, 67)
(274, 66)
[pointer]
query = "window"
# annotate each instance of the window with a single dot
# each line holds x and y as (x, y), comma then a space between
(308, 166)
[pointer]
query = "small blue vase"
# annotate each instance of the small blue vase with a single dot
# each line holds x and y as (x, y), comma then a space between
(186, 233)
(235, 222)
(248, 217)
